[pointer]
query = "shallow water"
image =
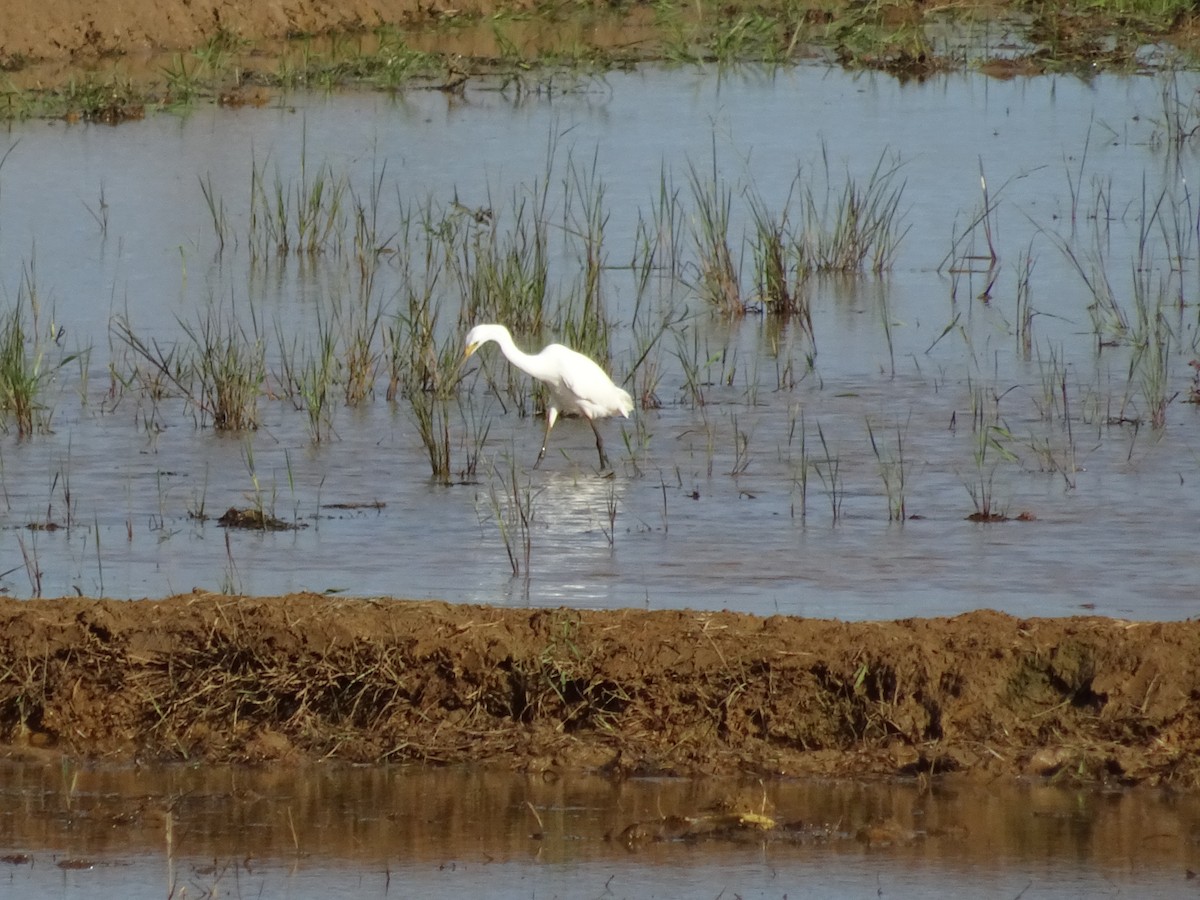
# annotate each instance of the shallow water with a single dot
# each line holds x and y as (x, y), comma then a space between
(382, 832)
(111, 221)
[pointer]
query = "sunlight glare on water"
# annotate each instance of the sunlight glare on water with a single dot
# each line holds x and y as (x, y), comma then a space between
(755, 488)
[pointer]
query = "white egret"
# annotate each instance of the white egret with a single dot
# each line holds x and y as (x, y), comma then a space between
(577, 385)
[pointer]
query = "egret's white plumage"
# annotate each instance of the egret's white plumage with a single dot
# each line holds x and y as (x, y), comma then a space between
(577, 385)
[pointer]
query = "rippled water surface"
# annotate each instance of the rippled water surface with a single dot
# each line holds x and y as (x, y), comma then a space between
(379, 832)
(755, 485)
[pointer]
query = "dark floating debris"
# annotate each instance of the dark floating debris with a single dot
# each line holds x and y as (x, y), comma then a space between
(254, 519)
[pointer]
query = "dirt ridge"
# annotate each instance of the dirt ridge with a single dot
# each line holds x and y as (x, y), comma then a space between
(100, 28)
(218, 678)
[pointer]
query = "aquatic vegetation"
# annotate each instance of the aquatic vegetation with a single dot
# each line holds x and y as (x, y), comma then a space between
(778, 277)
(361, 359)
(513, 511)
(28, 362)
(1024, 303)
(502, 268)
(109, 101)
(991, 446)
(893, 469)
(848, 230)
(216, 211)
(220, 368)
(718, 278)
(314, 382)
(432, 406)
(1149, 368)
(20, 376)
(856, 228)
(229, 364)
(304, 217)
(184, 86)
(829, 470)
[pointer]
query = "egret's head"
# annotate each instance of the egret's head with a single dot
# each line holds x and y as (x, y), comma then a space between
(473, 344)
(478, 336)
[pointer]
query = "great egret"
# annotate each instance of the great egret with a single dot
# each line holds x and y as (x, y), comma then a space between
(576, 383)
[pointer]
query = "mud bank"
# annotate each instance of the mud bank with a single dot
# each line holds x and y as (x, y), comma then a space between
(80, 29)
(218, 678)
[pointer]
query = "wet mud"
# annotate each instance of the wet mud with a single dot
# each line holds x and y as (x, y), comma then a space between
(627, 692)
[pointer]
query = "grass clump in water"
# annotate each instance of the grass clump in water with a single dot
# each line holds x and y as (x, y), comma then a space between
(23, 374)
(25, 362)
(220, 369)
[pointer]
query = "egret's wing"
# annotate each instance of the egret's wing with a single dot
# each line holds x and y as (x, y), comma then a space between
(586, 387)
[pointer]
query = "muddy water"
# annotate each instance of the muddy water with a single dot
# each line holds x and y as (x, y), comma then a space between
(68, 832)
(111, 221)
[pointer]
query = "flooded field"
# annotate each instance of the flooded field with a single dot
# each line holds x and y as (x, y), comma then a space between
(338, 246)
(77, 832)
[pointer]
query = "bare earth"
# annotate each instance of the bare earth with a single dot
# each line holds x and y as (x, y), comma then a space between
(220, 678)
(81, 29)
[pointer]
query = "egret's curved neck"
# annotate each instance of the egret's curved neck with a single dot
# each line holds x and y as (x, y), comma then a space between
(530, 363)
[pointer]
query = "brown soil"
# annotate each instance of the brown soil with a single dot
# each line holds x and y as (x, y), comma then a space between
(53, 29)
(219, 678)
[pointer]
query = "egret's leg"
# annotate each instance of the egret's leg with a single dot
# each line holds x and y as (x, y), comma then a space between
(551, 416)
(599, 444)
